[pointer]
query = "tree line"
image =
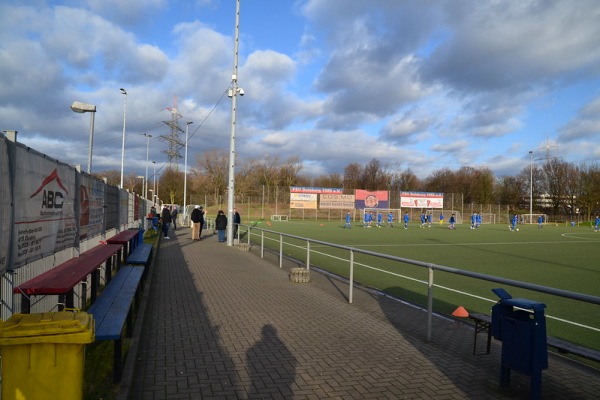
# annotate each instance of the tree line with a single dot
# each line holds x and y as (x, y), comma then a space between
(559, 187)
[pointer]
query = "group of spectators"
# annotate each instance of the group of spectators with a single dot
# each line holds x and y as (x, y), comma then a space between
(168, 216)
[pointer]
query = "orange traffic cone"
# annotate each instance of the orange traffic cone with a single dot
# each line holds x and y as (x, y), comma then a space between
(460, 312)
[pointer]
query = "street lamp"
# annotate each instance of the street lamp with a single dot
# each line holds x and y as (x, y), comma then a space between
(530, 187)
(154, 180)
(81, 108)
(147, 152)
(233, 92)
(124, 92)
(187, 125)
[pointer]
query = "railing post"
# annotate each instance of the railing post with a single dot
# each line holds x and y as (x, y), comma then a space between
(262, 244)
(308, 254)
(351, 280)
(429, 303)
(280, 251)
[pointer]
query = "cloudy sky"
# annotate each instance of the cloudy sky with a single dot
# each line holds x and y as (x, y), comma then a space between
(420, 84)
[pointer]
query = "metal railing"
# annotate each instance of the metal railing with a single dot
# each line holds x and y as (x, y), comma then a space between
(250, 231)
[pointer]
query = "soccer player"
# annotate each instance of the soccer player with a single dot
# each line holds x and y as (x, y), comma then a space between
(379, 219)
(477, 220)
(429, 219)
(473, 220)
(441, 218)
(406, 219)
(513, 222)
(366, 220)
(541, 221)
(390, 220)
(597, 226)
(423, 219)
(348, 219)
(452, 222)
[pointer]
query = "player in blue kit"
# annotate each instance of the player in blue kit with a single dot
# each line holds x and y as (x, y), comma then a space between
(423, 219)
(390, 219)
(348, 220)
(597, 224)
(406, 219)
(429, 219)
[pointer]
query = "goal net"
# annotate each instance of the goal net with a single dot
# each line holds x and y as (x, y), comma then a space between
(488, 218)
(532, 218)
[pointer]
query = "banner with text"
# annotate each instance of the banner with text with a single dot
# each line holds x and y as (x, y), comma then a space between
(317, 190)
(5, 207)
(421, 200)
(366, 199)
(303, 200)
(91, 205)
(336, 201)
(44, 198)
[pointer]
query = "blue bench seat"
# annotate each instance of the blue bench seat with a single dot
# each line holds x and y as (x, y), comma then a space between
(140, 255)
(112, 310)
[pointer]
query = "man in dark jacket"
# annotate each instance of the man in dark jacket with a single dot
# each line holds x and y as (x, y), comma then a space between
(221, 225)
(196, 217)
(236, 221)
(166, 220)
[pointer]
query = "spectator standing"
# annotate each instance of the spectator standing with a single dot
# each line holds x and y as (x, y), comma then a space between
(236, 221)
(221, 225)
(174, 217)
(195, 216)
(166, 220)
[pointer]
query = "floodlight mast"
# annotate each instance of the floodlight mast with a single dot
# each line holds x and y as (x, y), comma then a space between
(234, 93)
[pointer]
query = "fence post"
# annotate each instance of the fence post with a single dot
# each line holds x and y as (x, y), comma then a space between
(351, 281)
(262, 244)
(307, 254)
(280, 251)
(429, 302)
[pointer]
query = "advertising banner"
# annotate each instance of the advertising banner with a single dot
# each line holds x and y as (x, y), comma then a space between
(44, 203)
(366, 199)
(317, 190)
(336, 201)
(421, 200)
(303, 200)
(5, 208)
(91, 204)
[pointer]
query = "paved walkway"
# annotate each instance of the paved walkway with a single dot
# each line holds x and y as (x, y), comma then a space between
(221, 323)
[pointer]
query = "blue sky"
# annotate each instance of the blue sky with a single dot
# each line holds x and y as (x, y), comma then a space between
(423, 85)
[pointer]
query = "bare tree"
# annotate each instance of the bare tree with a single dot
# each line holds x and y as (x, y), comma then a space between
(215, 166)
(555, 177)
(352, 177)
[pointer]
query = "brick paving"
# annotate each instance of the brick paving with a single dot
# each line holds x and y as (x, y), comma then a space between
(220, 323)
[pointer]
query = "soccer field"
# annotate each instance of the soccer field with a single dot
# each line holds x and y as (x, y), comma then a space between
(559, 257)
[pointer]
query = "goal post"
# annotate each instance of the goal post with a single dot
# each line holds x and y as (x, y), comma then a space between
(533, 218)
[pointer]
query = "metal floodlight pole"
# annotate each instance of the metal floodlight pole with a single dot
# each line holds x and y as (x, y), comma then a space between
(80, 107)
(154, 180)
(530, 187)
(124, 92)
(234, 93)
(147, 153)
(187, 126)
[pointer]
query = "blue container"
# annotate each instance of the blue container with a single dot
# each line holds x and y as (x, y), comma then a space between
(520, 324)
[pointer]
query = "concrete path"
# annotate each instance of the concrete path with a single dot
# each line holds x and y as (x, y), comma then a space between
(220, 323)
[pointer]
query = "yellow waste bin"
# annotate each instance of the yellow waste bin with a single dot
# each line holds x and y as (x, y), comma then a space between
(43, 355)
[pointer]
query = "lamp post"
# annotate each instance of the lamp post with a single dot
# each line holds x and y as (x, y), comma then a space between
(147, 152)
(124, 92)
(530, 187)
(187, 126)
(233, 92)
(80, 107)
(154, 180)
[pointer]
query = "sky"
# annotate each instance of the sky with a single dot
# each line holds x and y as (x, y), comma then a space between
(424, 85)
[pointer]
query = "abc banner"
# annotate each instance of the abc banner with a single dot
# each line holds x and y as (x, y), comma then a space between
(366, 199)
(91, 204)
(44, 204)
(303, 200)
(336, 201)
(421, 200)
(5, 208)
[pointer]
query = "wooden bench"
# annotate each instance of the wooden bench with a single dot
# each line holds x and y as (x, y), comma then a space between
(128, 239)
(62, 279)
(113, 309)
(140, 255)
(483, 323)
